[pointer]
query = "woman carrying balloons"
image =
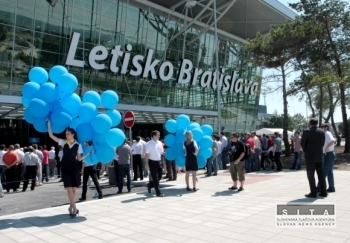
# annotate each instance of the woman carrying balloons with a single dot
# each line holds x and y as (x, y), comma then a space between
(70, 169)
(191, 160)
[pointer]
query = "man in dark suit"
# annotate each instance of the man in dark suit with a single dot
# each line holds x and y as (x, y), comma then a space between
(312, 143)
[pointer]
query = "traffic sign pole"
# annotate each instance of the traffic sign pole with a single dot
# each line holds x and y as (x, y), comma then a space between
(129, 121)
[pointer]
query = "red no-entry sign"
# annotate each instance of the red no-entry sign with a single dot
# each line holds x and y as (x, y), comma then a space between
(129, 119)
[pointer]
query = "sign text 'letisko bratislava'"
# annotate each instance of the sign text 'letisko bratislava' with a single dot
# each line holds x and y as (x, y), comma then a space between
(147, 66)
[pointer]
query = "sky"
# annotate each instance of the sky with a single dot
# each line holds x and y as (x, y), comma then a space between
(274, 100)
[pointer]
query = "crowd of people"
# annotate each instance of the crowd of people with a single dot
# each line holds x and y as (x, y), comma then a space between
(244, 153)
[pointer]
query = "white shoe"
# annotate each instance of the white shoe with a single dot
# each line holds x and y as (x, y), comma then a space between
(40, 184)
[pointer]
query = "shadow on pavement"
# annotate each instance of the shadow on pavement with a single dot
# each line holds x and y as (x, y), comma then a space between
(40, 221)
(170, 192)
(304, 200)
(226, 193)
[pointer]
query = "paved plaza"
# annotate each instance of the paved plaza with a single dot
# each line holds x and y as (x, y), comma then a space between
(212, 214)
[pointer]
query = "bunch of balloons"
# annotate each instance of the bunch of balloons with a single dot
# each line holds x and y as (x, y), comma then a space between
(175, 140)
(51, 96)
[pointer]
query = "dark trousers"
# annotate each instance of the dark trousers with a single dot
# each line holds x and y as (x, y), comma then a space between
(45, 173)
(3, 175)
(90, 171)
(137, 163)
(124, 170)
(171, 169)
(11, 176)
(30, 176)
(19, 174)
(278, 161)
(263, 157)
(116, 172)
(156, 168)
(224, 158)
(310, 170)
(58, 167)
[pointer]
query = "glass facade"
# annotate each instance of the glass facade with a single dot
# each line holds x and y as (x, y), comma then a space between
(34, 33)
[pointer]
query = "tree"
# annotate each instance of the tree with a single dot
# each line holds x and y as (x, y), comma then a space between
(277, 50)
(333, 18)
(276, 121)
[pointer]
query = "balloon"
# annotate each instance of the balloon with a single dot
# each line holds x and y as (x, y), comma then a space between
(91, 159)
(109, 99)
(30, 90)
(40, 125)
(38, 75)
(170, 140)
(171, 126)
(115, 137)
(180, 136)
(206, 152)
(193, 125)
(28, 117)
(57, 128)
(85, 132)
(206, 142)
(197, 134)
(54, 106)
(71, 103)
(87, 112)
(207, 130)
(67, 83)
(25, 102)
(60, 119)
(179, 150)
(115, 117)
(99, 138)
(104, 153)
(180, 161)
(75, 123)
(38, 108)
(48, 92)
(169, 154)
(183, 121)
(92, 97)
(101, 123)
(56, 72)
(202, 162)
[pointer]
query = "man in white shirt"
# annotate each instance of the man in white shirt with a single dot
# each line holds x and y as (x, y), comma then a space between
(52, 161)
(41, 156)
(224, 151)
(154, 151)
(20, 167)
(137, 150)
(31, 161)
(329, 156)
(2, 166)
(257, 150)
(143, 160)
(218, 158)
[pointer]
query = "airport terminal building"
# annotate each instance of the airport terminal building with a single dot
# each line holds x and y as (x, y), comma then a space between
(159, 56)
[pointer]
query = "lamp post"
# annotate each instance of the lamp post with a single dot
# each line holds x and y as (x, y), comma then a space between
(218, 84)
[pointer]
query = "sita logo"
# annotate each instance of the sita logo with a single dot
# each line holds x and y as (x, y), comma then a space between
(147, 67)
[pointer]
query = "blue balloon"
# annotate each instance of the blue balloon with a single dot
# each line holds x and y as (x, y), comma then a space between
(115, 117)
(87, 112)
(91, 159)
(104, 153)
(202, 162)
(180, 136)
(183, 121)
(170, 140)
(169, 154)
(206, 152)
(67, 83)
(206, 142)
(25, 102)
(29, 117)
(61, 118)
(115, 137)
(197, 134)
(179, 150)
(171, 126)
(40, 125)
(109, 99)
(57, 128)
(56, 72)
(85, 132)
(38, 75)
(75, 123)
(30, 90)
(207, 130)
(180, 161)
(99, 138)
(193, 125)
(71, 103)
(101, 123)
(38, 108)
(48, 92)
(54, 106)
(92, 97)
